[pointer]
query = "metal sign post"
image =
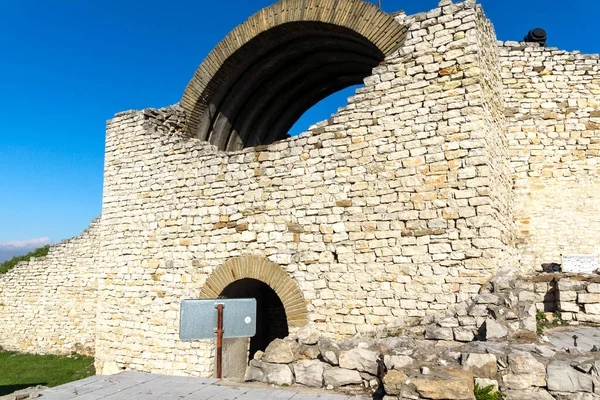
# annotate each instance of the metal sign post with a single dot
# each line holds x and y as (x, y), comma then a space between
(219, 340)
(207, 319)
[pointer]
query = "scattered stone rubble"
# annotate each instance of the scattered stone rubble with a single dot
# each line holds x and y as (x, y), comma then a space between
(491, 341)
(425, 369)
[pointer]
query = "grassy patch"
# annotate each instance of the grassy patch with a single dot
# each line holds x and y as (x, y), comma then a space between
(19, 371)
(10, 264)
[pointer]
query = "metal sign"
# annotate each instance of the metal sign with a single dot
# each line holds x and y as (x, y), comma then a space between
(199, 318)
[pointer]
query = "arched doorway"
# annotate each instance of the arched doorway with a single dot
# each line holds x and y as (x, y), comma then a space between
(271, 321)
(280, 305)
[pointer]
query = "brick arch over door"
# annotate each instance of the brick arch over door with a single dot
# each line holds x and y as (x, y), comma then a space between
(259, 268)
(283, 60)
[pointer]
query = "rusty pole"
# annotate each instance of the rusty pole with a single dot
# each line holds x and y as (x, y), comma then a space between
(219, 341)
(379, 3)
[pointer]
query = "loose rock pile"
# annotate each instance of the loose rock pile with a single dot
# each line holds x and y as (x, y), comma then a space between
(491, 341)
(422, 369)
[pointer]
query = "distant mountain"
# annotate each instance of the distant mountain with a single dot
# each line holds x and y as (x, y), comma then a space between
(16, 248)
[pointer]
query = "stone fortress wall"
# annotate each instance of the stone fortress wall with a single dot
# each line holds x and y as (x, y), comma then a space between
(48, 305)
(401, 206)
(552, 102)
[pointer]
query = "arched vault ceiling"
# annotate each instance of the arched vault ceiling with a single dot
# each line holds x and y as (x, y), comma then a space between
(284, 59)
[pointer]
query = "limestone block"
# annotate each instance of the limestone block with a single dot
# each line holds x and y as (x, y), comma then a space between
(277, 374)
(337, 377)
(494, 330)
(282, 351)
(451, 384)
(363, 360)
(528, 394)
(309, 372)
(592, 309)
(395, 382)
(482, 365)
(584, 298)
(308, 335)
(563, 378)
(435, 332)
(397, 361)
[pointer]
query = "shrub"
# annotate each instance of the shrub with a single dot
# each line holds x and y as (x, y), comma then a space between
(487, 393)
(10, 264)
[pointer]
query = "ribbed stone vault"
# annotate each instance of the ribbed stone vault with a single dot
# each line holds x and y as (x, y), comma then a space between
(261, 269)
(287, 57)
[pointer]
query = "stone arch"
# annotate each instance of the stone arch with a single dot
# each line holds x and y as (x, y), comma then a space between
(284, 59)
(261, 269)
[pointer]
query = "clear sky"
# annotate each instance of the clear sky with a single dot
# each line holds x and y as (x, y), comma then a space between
(69, 65)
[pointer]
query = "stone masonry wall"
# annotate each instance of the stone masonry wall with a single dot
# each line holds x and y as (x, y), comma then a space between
(553, 115)
(388, 211)
(48, 305)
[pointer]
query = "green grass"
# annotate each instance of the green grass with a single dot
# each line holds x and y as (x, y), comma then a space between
(10, 264)
(19, 371)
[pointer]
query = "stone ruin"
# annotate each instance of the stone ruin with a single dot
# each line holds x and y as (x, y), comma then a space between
(414, 220)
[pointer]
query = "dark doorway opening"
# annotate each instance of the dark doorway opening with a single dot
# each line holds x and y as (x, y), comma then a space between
(271, 320)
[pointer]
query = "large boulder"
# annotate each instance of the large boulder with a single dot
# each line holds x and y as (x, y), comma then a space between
(435, 332)
(360, 359)
(309, 373)
(525, 370)
(308, 335)
(525, 363)
(495, 330)
(397, 361)
(523, 381)
(277, 374)
(452, 384)
(311, 352)
(563, 378)
(337, 377)
(330, 351)
(394, 382)
(282, 351)
(482, 365)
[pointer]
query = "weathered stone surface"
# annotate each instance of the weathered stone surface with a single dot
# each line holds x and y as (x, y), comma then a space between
(277, 374)
(436, 332)
(523, 381)
(308, 335)
(330, 351)
(456, 384)
(525, 363)
(525, 372)
(528, 394)
(311, 352)
(309, 372)
(563, 378)
(464, 334)
(337, 377)
(495, 330)
(481, 365)
(360, 359)
(397, 361)
(282, 351)
(394, 382)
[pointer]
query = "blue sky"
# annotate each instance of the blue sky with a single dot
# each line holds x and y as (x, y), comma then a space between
(69, 65)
